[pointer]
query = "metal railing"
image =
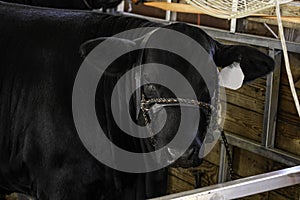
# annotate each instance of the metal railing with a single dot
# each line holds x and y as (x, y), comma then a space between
(241, 187)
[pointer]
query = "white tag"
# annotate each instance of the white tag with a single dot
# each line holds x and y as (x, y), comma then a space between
(232, 76)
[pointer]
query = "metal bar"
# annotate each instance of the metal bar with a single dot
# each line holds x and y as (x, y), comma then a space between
(234, 20)
(251, 39)
(233, 25)
(168, 13)
(173, 16)
(271, 103)
(271, 31)
(254, 147)
(222, 176)
(219, 34)
(242, 187)
(153, 19)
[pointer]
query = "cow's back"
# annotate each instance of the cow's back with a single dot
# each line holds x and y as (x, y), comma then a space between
(40, 151)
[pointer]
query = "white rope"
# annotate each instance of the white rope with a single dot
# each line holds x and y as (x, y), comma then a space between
(286, 58)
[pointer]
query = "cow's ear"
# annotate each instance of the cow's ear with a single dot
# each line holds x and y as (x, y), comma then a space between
(89, 45)
(254, 64)
(232, 76)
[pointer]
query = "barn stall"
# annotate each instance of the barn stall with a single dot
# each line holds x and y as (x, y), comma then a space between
(262, 125)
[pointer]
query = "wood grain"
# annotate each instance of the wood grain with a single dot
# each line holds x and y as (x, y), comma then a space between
(245, 101)
(184, 179)
(288, 124)
(289, 22)
(243, 122)
(214, 156)
(174, 7)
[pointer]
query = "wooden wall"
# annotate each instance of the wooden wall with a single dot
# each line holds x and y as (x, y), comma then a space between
(288, 128)
(244, 117)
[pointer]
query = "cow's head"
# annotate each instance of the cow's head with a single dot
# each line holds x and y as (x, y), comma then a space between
(166, 117)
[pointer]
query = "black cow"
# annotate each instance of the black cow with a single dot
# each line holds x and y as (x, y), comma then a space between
(70, 4)
(40, 152)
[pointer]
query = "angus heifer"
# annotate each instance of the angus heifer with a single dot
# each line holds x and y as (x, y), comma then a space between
(41, 153)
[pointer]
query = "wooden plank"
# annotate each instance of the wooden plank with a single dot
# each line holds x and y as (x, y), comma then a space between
(183, 179)
(245, 101)
(183, 174)
(288, 125)
(289, 9)
(178, 185)
(255, 89)
(294, 62)
(204, 20)
(243, 122)
(287, 109)
(277, 196)
(214, 156)
(187, 8)
(288, 129)
(209, 171)
(244, 115)
(141, 9)
(248, 164)
(286, 106)
(174, 7)
(290, 16)
(288, 137)
(285, 193)
(289, 22)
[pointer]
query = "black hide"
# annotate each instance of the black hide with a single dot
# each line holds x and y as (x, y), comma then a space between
(70, 4)
(40, 151)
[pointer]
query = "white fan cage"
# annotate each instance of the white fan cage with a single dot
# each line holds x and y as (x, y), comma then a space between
(229, 9)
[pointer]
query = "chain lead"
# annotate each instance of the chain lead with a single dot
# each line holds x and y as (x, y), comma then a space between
(229, 157)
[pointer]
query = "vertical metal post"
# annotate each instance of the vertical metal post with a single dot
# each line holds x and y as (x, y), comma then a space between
(233, 21)
(168, 12)
(271, 103)
(223, 171)
(173, 16)
(233, 25)
(170, 16)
